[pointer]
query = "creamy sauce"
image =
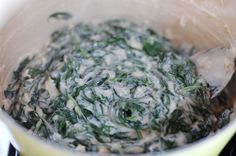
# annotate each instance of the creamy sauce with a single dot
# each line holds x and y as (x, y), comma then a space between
(114, 87)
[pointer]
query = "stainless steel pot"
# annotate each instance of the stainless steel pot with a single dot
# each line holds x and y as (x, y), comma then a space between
(204, 24)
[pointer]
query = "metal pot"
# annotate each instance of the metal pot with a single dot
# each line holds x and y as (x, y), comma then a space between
(204, 24)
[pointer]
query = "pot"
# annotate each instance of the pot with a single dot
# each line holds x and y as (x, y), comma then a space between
(204, 24)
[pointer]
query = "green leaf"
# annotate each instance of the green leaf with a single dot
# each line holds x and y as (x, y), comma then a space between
(78, 109)
(61, 15)
(22, 66)
(120, 76)
(34, 71)
(191, 88)
(154, 48)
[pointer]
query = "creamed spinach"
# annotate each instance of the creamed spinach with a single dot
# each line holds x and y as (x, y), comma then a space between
(111, 87)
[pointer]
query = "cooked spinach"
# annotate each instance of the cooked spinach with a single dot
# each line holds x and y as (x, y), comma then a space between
(61, 15)
(115, 86)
